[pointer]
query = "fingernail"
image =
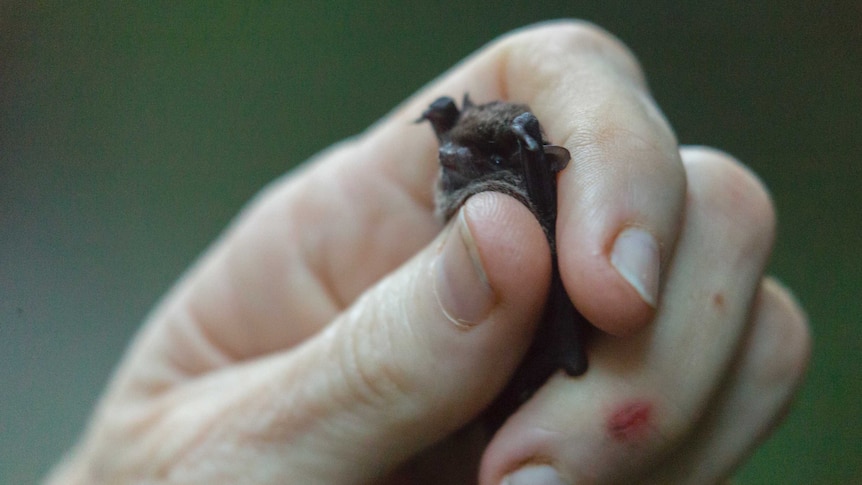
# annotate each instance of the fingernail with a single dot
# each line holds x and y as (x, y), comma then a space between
(460, 282)
(534, 475)
(636, 257)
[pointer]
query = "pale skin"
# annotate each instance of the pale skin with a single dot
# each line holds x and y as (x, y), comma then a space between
(322, 338)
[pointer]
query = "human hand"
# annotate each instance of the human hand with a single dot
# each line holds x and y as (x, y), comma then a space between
(322, 338)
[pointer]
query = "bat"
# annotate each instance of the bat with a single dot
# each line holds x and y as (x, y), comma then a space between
(500, 147)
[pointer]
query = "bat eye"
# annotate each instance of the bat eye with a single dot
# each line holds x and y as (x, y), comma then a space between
(497, 160)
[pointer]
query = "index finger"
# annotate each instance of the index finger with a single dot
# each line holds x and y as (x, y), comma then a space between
(620, 203)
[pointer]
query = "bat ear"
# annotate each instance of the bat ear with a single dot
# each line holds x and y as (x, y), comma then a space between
(443, 114)
(467, 103)
(557, 157)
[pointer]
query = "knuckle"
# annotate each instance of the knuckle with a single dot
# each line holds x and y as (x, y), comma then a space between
(733, 194)
(796, 350)
(788, 344)
(581, 34)
(542, 46)
(585, 38)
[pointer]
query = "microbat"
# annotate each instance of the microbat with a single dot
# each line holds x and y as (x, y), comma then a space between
(499, 146)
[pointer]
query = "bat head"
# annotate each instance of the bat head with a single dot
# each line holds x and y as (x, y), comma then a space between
(482, 148)
(476, 142)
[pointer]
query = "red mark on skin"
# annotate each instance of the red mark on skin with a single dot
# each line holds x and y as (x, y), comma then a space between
(718, 300)
(630, 421)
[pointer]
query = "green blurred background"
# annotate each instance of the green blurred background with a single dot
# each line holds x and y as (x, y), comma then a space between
(131, 134)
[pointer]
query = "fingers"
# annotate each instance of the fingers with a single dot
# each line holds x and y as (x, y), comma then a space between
(621, 200)
(763, 380)
(412, 360)
(765, 376)
(644, 393)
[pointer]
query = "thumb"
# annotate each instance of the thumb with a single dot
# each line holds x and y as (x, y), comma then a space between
(420, 354)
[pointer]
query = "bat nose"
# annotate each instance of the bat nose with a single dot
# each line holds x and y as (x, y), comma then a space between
(452, 156)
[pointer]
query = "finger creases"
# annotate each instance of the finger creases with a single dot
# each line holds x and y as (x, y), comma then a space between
(413, 359)
(644, 394)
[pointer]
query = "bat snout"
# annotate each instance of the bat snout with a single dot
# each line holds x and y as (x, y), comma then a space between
(454, 157)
